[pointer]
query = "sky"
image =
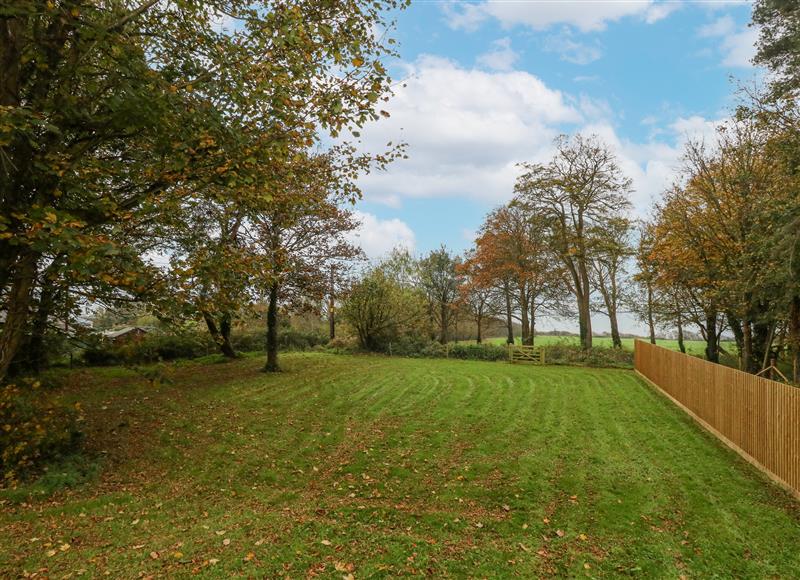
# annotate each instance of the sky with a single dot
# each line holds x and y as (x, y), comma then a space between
(482, 86)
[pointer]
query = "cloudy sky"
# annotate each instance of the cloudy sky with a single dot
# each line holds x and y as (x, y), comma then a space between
(483, 86)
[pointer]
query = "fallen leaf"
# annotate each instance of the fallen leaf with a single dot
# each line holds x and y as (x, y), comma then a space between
(344, 566)
(546, 520)
(64, 547)
(506, 507)
(524, 548)
(226, 542)
(219, 532)
(213, 561)
(560, 533)
(177, 555)
(51, 553)
(250, 556)
(325, 542)
(583, 537)
(586, 565)
(154, 555)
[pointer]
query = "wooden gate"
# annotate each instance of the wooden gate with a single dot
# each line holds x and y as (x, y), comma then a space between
(525, 353)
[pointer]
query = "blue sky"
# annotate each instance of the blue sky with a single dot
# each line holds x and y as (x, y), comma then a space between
(486, 85)
(490, 84)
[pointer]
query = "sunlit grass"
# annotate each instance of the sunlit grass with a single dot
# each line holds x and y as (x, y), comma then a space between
(381, 466)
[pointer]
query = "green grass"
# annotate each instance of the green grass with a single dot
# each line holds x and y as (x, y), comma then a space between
(696, 347)
(393, 467)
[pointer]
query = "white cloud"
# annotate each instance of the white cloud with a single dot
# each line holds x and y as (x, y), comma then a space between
(571, 50)
(585, 16)
(722, 26)
(740, 48)
(736, 44)
(502, 57)
(378, 237)
(465, 130)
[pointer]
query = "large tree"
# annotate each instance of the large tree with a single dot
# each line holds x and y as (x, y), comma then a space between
(109, 112)
(439, 280)
(578, 192)
(611, 251)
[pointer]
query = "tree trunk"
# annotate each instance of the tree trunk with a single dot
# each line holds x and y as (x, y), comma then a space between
(523, 305)
(794, 337)
(681, 345)
(225, 332)
(479, 321)
(747, 347)
(616, 341)
(272, 331)
(712, 343)
(331, 308)
(509, 319)
(444, 321)
(585, 321)
(651, 324)
(37, 356)
(221, 334)
(18, 300)
(533, 324)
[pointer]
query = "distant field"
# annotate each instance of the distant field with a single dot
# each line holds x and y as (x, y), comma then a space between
(692, 346)
(376, 467)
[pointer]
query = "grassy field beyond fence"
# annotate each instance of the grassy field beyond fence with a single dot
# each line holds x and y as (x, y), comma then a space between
(694, 347)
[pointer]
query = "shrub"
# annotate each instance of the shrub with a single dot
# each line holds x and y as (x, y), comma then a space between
(151, 348)
(290, 339)
(249, 341)
(97, 356)
(342, 345)
(599, 356)
(34, 428)
(488, 352)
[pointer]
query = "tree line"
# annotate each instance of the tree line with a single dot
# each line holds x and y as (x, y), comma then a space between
(200, 158)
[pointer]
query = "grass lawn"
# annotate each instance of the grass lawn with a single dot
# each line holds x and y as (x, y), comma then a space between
(696, 347)
(376, 467)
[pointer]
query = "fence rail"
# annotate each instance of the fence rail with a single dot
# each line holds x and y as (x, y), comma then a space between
(526, 353)
(757, 417)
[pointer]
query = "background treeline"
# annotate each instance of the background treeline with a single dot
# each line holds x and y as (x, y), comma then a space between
(154, 157)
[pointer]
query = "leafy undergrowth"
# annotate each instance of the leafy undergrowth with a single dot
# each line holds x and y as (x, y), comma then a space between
(373, 466)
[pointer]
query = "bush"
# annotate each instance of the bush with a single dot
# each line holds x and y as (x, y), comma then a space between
(249, 341)
(151, 348)
(290, 339)
(98, 356)
(570, 354)
(342, 345)
(34, 428)
(488, 352)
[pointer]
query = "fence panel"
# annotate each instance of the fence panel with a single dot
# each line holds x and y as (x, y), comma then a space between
(757, 417)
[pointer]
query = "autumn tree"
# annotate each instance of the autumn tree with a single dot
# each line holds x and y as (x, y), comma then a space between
(110, 111)
(476, 295)
(579, 191)
(439, 280)
(611, 250)
(380, 310)
(299, 236)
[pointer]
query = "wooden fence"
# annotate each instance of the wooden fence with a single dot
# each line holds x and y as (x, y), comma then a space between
(757, 417)
(526, 353)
